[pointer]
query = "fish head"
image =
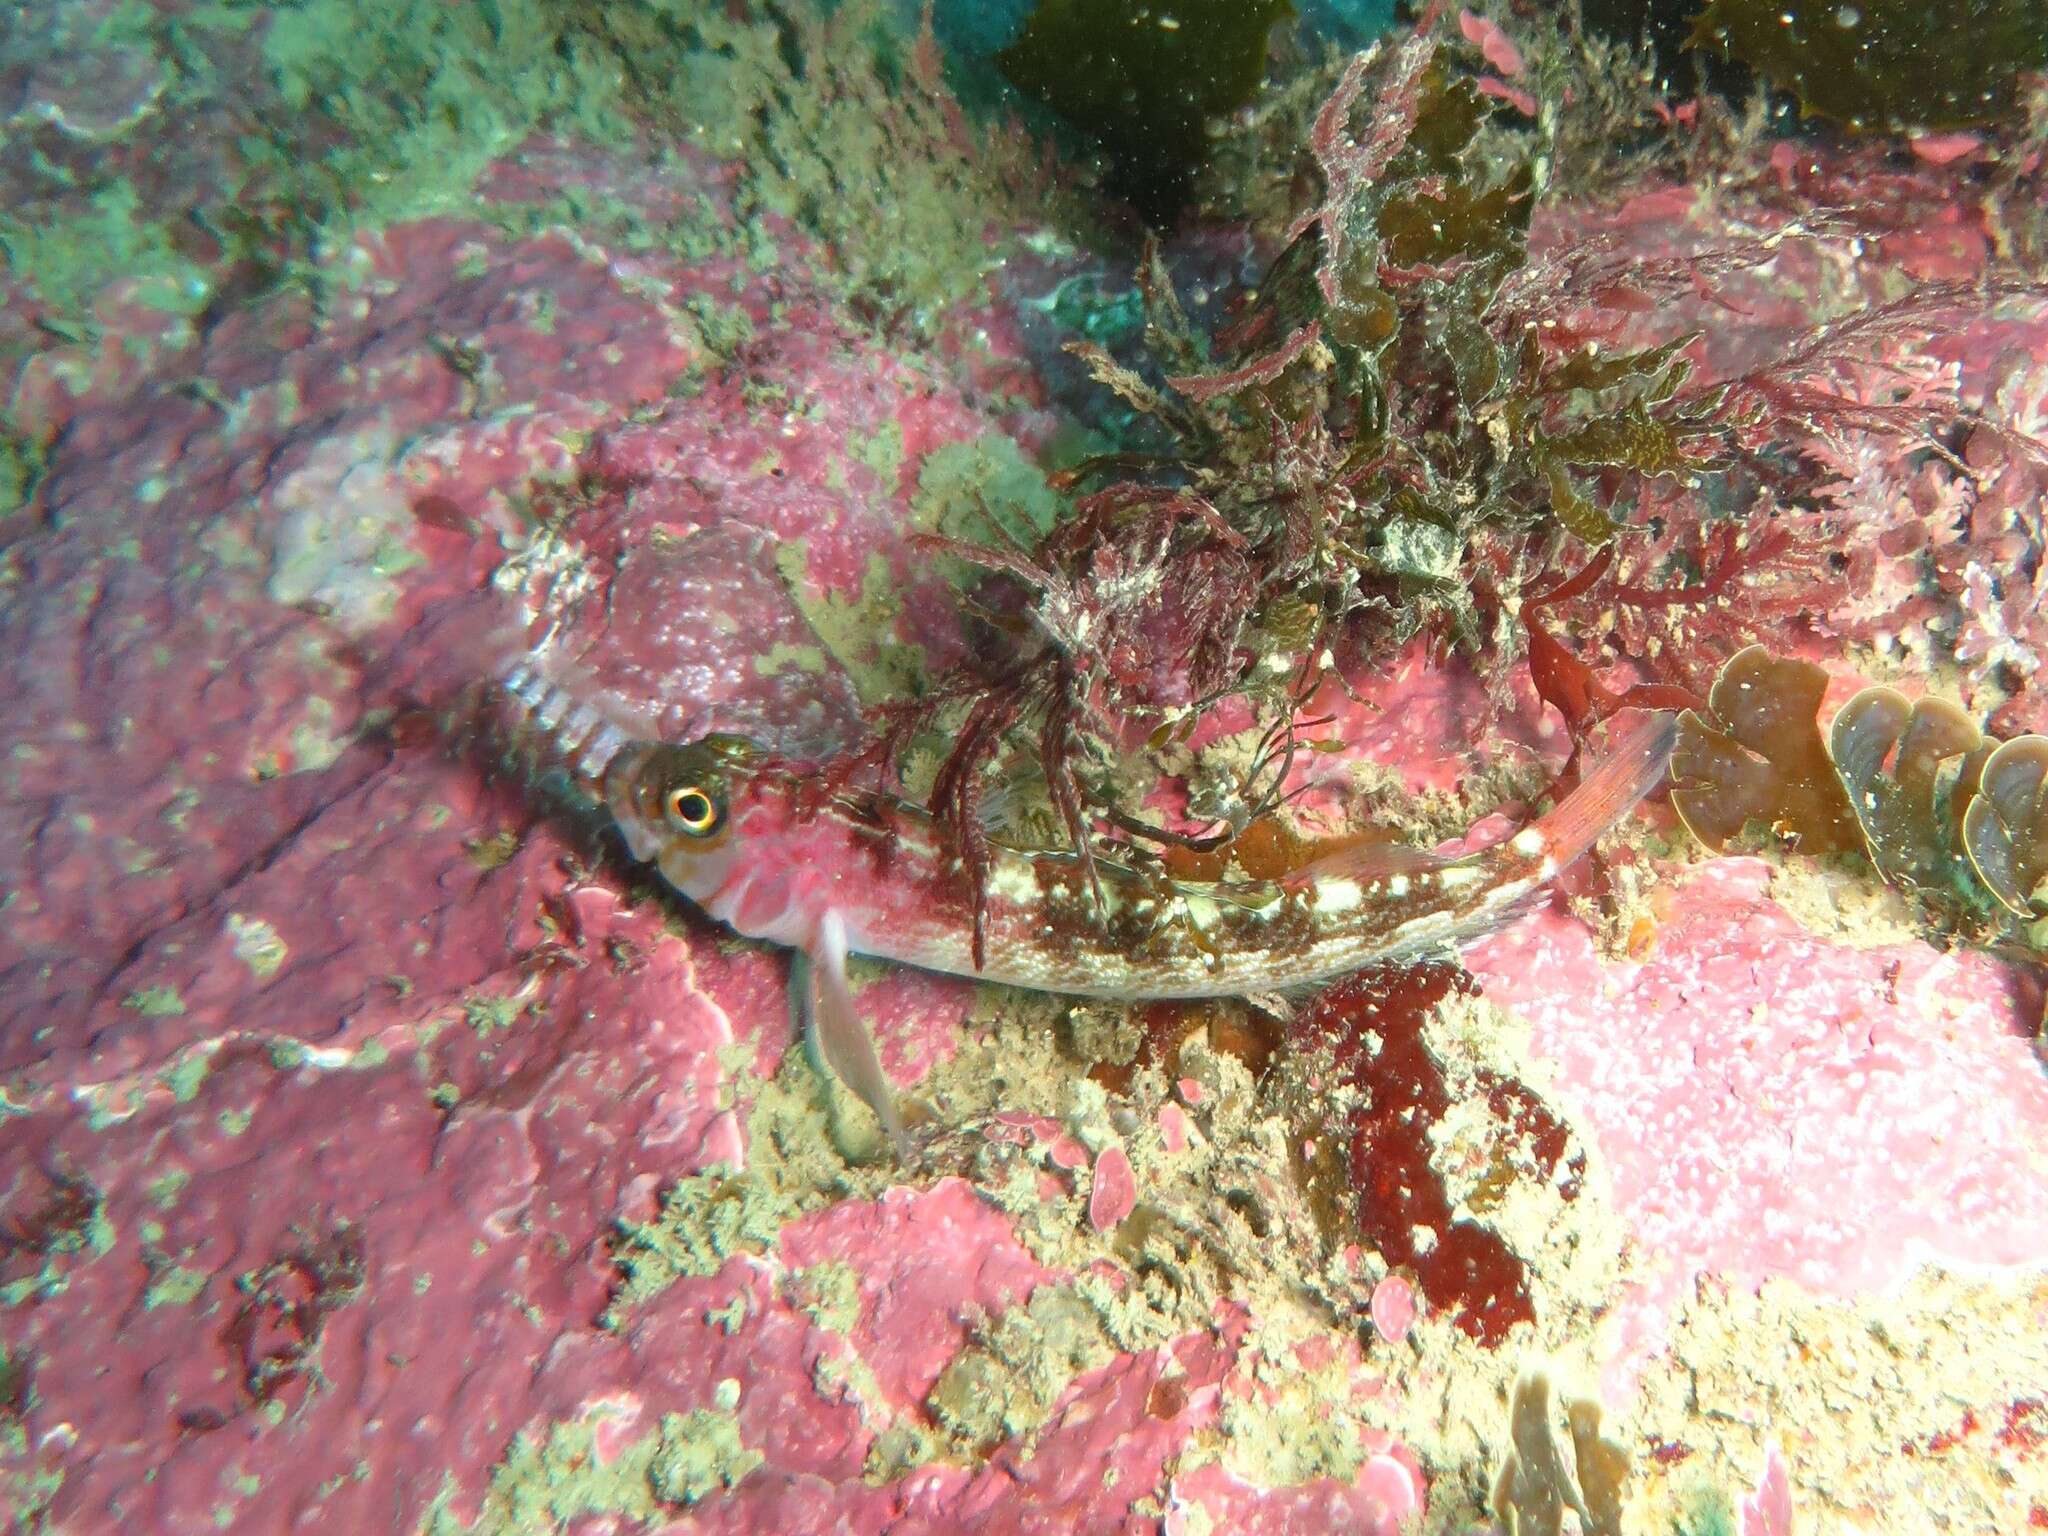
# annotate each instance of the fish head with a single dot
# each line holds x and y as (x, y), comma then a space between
(675, 805)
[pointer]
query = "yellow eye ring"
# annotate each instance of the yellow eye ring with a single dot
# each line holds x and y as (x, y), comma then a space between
(691, 809)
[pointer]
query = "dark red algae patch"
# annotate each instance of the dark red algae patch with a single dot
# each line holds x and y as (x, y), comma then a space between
(1371, 1025)
(273, 1339)
(2026, 1425)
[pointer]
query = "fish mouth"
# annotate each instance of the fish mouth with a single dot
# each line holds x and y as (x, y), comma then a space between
(640, 841)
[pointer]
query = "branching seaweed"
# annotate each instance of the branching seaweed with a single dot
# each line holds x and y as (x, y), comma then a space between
(1407, 428)
(1542, 1477)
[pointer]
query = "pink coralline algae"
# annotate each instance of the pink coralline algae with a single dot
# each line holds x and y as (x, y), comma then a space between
(1393, 1308)
(1768, 1511)
(1113, 1194)
(1781, 1104)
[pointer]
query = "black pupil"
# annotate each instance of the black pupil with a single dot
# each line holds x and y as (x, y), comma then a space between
(692, 808)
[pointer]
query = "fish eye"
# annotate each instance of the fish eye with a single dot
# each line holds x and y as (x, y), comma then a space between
(691, 809)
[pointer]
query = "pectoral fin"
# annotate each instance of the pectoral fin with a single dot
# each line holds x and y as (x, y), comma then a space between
(842, 1037)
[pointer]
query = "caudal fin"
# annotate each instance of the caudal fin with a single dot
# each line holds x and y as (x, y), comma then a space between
(1634, 768)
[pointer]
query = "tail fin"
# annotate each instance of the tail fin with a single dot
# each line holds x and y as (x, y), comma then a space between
(1628, 773)
(1520, 869)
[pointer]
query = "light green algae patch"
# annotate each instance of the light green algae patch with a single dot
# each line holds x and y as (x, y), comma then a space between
(103, 239)
(173, 1287)
(362, 114)
(22, 466)
(28, 1483)
(790, 658)
(418, 98)
(1703, 1508)
(1305, 1431)
(185, 1076)
(489, 1014)
(155, 1002)
(829, 1291)
(855, 630)
(700, 1452)
(848, 131)
(984, 492)
(1004, 1384)
(315, 743)
(257, 945)
(86, 1235)
(704, 1220)
(721, 329)
(493, 852)
(545, 1485)
(881, 453)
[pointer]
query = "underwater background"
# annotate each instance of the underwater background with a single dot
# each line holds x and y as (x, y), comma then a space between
(1207, 440)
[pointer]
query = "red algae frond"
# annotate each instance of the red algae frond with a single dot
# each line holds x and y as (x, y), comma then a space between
(1372, 1025)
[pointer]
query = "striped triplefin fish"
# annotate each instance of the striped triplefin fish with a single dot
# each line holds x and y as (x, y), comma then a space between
(777, 852)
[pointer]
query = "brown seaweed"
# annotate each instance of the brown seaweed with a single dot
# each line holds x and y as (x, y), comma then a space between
(1888, 752)
(1947, 815)
(2005, 826)
(1756, 756)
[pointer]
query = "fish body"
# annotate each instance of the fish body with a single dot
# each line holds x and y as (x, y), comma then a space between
(787, 850)
(778, 853)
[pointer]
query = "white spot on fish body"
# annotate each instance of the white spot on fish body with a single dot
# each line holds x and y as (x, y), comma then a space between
(1455, 875)
(1014, 880)
(1266, 911)
(1528, 842)
(1506, 895)
(1333, 897)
